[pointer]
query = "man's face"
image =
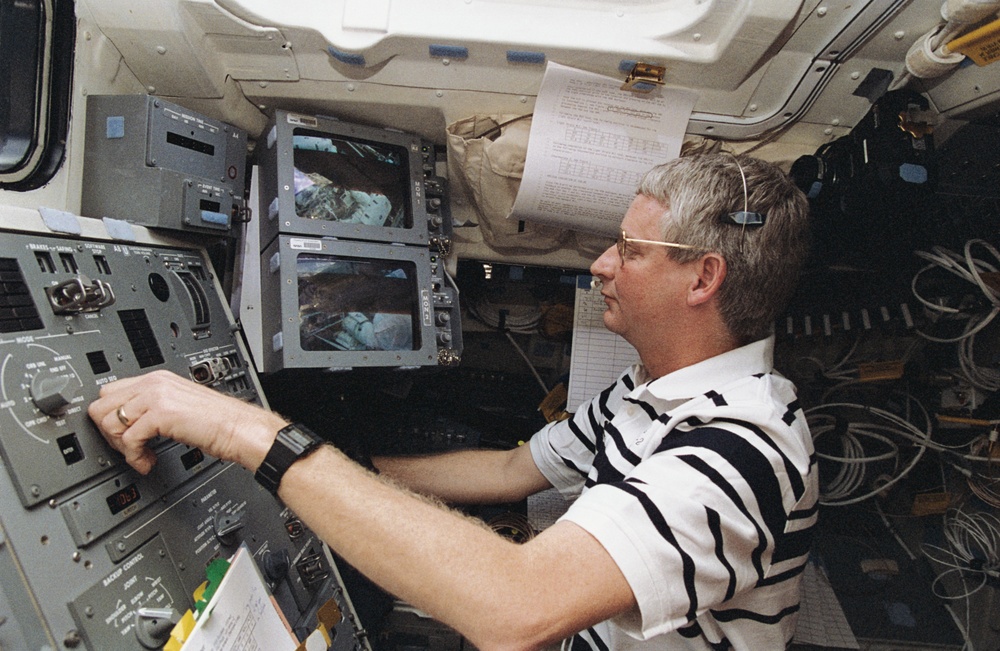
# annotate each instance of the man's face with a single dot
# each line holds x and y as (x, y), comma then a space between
(642, 292)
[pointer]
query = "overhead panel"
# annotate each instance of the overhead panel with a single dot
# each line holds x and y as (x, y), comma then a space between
(757, 66)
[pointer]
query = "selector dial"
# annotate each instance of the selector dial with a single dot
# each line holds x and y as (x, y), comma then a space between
(48, 442)
(38, 384)
(226, 525)
(53, 393)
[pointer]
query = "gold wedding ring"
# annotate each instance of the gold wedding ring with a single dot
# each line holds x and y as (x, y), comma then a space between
(122, 417)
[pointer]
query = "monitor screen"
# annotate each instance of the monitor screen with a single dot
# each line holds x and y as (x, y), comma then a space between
(323, 177)
(351, 180)
(357, 304)
(332, 303)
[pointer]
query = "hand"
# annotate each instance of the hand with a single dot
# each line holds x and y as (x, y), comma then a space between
(133, 411)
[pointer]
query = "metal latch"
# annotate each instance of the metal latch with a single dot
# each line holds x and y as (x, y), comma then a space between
(644, 77)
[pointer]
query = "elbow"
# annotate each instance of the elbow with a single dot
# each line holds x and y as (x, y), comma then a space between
(512, 645)
(529, 632)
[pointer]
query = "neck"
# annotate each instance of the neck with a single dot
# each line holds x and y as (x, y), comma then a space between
(684, 346)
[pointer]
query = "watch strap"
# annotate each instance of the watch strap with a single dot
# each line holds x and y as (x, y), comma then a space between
(292, 443)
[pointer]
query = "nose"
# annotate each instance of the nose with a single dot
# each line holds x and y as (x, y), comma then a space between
(606, 264)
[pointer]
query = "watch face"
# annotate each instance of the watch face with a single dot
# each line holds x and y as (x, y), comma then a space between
(292, 439)
(291, 444)
(298, 437)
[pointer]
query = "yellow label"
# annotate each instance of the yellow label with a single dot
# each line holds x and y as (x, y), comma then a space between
(889, 370)
(180, 632)
(931, 503)
(981, 45)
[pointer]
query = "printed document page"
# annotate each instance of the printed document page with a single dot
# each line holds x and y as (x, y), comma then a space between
(590, 144)
(240, 616)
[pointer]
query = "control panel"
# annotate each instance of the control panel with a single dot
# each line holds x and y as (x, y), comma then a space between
(439, 223)
(88, 547)
(153, 162)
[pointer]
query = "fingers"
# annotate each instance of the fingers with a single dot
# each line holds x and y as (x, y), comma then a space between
(117, 414)
(116, 422)
(133, 411)
(137, 452)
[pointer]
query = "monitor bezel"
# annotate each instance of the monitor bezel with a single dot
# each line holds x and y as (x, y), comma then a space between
(277, 182)
(280, 287)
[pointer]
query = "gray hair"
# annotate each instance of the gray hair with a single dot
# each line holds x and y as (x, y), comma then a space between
(763, 261)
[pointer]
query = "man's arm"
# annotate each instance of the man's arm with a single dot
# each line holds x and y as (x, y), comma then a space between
(499, 594)
(468, 476)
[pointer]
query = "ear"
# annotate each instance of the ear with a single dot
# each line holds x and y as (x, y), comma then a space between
(710, 270)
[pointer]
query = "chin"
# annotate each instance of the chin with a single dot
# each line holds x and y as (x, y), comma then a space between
(611, 323)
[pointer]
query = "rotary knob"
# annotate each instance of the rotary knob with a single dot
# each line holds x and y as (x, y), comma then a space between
(53, 393)
(226, 525)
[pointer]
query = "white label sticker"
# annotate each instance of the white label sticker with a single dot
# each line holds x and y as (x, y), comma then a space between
(302, 244)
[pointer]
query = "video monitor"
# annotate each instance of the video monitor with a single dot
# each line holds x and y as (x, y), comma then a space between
(348, 304)
(324, 177)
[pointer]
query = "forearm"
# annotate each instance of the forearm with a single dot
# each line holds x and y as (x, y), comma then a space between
(499, 594)
(496, 593)
(468, 476)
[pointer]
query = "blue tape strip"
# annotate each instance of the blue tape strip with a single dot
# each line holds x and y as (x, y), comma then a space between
(119, 229)
(525, 56)
(211, 217)
(449, 51)
(60, 221)
(642, 86)
(346, 57)
(115, 127)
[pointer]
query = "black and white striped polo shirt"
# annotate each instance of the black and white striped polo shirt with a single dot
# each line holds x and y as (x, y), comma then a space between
(701, 486)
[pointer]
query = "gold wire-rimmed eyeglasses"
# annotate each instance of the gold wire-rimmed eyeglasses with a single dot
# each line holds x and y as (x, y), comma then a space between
(742, 218)
(624, 239)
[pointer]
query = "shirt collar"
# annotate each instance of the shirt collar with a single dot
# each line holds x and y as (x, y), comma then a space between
(714, 372)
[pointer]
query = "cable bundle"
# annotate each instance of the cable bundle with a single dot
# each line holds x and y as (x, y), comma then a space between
(523, 319)
(984, 484)
(970, 269)
(866, 456)
(973, 548)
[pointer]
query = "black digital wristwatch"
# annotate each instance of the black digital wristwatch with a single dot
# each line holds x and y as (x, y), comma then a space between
(293, 442)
